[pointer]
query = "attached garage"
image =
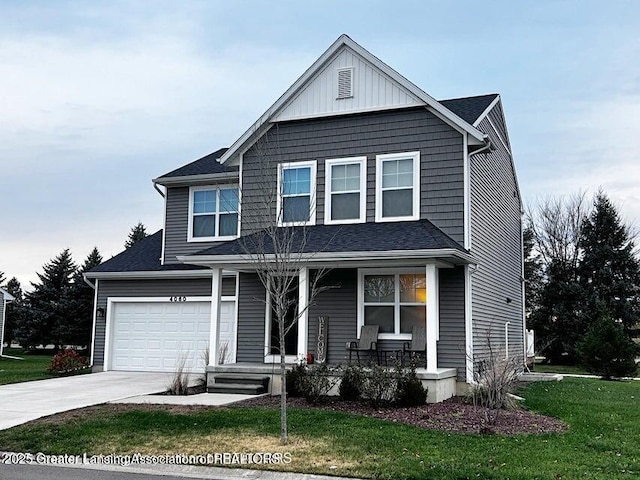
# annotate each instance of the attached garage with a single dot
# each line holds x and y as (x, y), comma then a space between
(155, 335)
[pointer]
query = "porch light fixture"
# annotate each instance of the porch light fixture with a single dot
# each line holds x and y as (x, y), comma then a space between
(100, 312)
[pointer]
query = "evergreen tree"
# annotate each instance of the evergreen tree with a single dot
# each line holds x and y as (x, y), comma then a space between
(48, 304)
(532, 271)
(2, 278)
(137, 233)
(79, 320)
(14, 309)
(609, 270)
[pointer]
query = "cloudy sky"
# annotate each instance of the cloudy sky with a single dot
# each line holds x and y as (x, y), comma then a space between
(99, 97)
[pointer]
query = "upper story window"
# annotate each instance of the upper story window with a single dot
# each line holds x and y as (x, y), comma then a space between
(297, 193)
(345, 190)
(213, 213)
(398, 187)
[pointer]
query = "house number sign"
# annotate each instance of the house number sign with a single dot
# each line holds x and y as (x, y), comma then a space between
(177, 299)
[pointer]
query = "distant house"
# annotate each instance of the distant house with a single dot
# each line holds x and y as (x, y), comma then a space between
(5, 297)
(421, 196)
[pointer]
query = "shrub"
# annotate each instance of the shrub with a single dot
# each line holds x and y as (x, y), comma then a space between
(317, 383)
(379, 387)
(179, 384)
(352, 383)
(606, 350)
(409, 389)
(67, 361)
(296, 380)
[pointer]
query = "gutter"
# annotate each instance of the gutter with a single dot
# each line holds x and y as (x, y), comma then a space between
(191, 179)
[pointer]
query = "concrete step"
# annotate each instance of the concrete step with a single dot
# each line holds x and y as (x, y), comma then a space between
(240, 380)
(241, 388)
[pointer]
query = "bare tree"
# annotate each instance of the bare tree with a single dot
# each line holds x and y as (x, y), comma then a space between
(276, 241)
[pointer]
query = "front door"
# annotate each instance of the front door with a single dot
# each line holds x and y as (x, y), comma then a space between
(291, 330)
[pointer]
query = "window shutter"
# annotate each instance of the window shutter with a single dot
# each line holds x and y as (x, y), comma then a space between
(345, 83)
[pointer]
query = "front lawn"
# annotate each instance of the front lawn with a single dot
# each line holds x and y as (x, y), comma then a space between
(571, 369)
(601, 443)
(31, 367)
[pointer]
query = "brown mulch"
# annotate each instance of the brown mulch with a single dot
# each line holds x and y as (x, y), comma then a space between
(453, 415)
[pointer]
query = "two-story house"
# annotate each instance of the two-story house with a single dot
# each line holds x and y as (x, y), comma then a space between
(393, 187)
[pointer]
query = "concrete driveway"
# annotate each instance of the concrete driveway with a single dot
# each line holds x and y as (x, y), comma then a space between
(22, 402)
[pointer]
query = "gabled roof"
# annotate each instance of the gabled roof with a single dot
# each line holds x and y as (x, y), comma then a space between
(6, 295)
(144, 256)
(344, 41)
(359, 237)
(207, 165)
(470, 108)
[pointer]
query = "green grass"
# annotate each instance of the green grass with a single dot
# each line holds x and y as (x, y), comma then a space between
(31, 367)
(602, 442)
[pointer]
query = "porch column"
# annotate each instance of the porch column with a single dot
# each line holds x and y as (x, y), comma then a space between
(432, 317)
(303, 306)
(216, 292)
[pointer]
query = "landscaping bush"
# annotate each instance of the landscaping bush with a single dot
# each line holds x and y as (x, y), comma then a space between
(317, 383)
(296, 378)
(409, 389)
(67, 361)
(351, 383)
(606, 350)
(179, 384)
(379, 387)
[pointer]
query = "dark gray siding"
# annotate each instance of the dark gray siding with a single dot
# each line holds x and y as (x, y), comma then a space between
(496, 243)
(177, 225)
(197, 287)
(441, 147)
(341, 306)
(251, 316)
(451, 346)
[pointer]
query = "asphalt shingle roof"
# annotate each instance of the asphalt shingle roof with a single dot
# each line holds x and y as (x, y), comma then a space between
(144, 256)
(206, 165)
(469, 108)
(360, 237)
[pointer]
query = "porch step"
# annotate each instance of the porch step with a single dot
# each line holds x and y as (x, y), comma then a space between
(239, 384)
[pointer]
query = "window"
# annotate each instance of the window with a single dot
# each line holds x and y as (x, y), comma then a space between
(394, 301)
(213, 213)
(297, 187)
(345, 190)
(397, 187)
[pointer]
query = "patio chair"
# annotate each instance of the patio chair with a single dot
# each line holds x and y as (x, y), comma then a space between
(368, 343)
(418, 344)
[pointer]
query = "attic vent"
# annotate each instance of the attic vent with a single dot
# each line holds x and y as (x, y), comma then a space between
(345, 83)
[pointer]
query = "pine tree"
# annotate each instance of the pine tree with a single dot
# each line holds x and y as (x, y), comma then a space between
(609, 270)
(14, 309)
(79, 321)
(532, 271)
(2, 278)
(48, 304)
(137, 233)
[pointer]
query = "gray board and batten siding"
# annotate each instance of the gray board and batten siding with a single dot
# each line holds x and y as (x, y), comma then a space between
(371, 134)
(196, 287)
(496, 242)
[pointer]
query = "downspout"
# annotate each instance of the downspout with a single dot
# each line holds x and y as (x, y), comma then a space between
(488, 146)
(86, 280)
(155, 186)
(506, 340)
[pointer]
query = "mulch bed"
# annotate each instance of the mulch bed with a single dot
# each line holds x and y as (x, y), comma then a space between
(453, 415)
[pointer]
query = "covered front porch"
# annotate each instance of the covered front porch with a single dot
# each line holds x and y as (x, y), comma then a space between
(393, 297)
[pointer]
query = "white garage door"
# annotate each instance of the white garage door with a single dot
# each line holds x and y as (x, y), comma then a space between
(157, 336)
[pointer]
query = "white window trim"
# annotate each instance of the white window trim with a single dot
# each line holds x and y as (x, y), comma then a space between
(312, 194)
(386, 271)
(190, 237)
(380, 159)
(362, 162)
